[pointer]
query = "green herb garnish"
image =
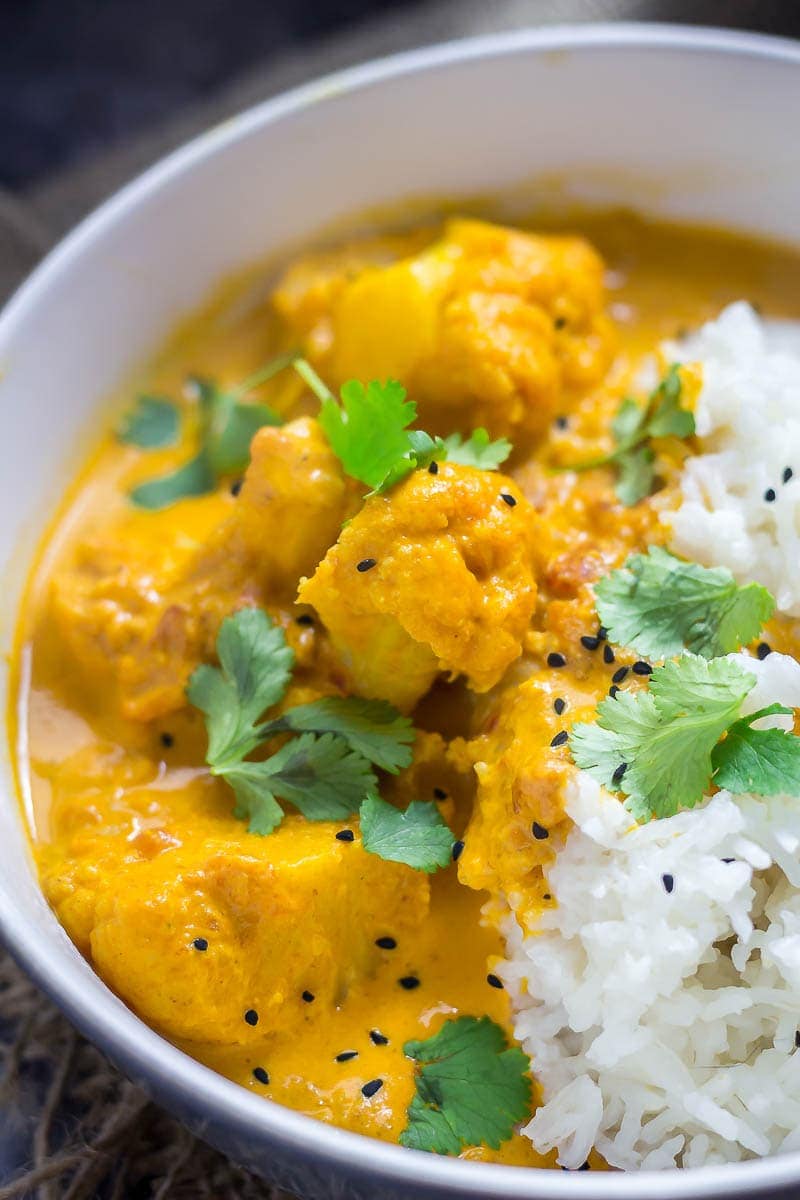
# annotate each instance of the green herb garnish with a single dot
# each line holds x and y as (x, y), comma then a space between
(634, 427)
(660, 606)
(153, 422)
(661, 748)
(326, 771)
(472, 1088)
(416, 836)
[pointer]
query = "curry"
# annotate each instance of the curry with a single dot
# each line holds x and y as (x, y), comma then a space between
(295, 962)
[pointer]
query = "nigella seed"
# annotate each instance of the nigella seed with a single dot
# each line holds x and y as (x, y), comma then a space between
(408, 982)
(377, 1038)
(769, 495)
(366, 564)
(562, 422)
(590, 642)
(261, 1075)
(559, 705)
(787, 474)
(539, 831)
(433, 468)
(613, 691)
(642, 668)
(251, 1016)
(668, 882)
(797, 1038)
(494, 981)
(619, 675)
(346, 1056)
(728, 860)
(236, 487)
(509, 500)
(546, 896)
(386, 943)
(439, 793)
(608, 655)
(167, 741)
(764, 650)
(369, 1089)
(200, 944)
(559, 322)
(308, 996)
(602, 632)
(345, 835)
(555, 659)
(458, 849)
(560, 738)
(620, 771)
(304, 619)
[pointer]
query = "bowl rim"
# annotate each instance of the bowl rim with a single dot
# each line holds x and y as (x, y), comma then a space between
(132, 1044)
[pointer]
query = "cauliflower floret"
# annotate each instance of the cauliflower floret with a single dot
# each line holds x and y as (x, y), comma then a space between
(434, 576)
(487, 326)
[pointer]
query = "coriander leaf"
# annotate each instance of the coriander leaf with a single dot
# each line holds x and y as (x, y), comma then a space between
(665, 736)
(765, 762)
(374, 728)
(667, 418)
(368, 431)
(417, 836)
(151, 424)
(194, 478)
(255, 668)
(235, 426)
(636, 475)
(255, 801)
(477, 450)
(472, 1089)
(628, 423)
(658, 605)
(320, 775)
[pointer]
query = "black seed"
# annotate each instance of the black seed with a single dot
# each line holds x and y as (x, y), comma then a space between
(668, 882)
(386, 943)
(305, 619)
(439, 793)
(619, 675)
(559, 322)
(409, 982)
(728, 860)
(560, 738)
(509, 500)
(251, 1016)
(559, 705)
(308, 996)
(346, 1056)
(539, 831)
(236, 487)
(366, 564)
(613, 691)
(260, 1074)
(494, 982)
(562, 422)
(642, 668)
(591, 643)
(458, 849)
(200, 944)
(602, 632)
(433, 468)
(787, 474)
(763, 650)
(556, 660)
(797, 1038)
(586, 1166)
(369, 1089)
(547, 896)
(167, 741)
(620, 771)
(769, 495)
(345, 835)
(608, 655)
(377, 1038)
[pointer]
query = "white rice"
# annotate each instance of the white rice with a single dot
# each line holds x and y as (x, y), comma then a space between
(662, 1024)
(748, 419)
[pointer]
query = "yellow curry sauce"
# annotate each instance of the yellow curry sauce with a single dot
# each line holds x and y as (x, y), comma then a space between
(297, 964)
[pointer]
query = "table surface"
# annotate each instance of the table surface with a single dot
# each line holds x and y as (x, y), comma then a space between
(70, 1125)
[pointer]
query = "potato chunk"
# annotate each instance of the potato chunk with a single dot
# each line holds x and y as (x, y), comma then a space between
(487, 326)
(434, 576)
(139, 603)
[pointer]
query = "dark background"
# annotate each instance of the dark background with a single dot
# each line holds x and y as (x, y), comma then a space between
(79, 76)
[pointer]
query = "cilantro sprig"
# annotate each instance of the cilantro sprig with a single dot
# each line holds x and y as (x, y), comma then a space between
(472, 1089)
(634, 428)
(664, 747)
(325, 771)
(226, 427)
(659, 606)
(416, 836)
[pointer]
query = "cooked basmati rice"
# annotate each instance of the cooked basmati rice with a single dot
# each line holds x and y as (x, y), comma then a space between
(659, 998)
(748, 418)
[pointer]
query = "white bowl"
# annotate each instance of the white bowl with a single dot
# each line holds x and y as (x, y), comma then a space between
(688, 124)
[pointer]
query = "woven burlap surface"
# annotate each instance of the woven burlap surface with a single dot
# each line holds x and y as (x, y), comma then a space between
(71, 1127)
